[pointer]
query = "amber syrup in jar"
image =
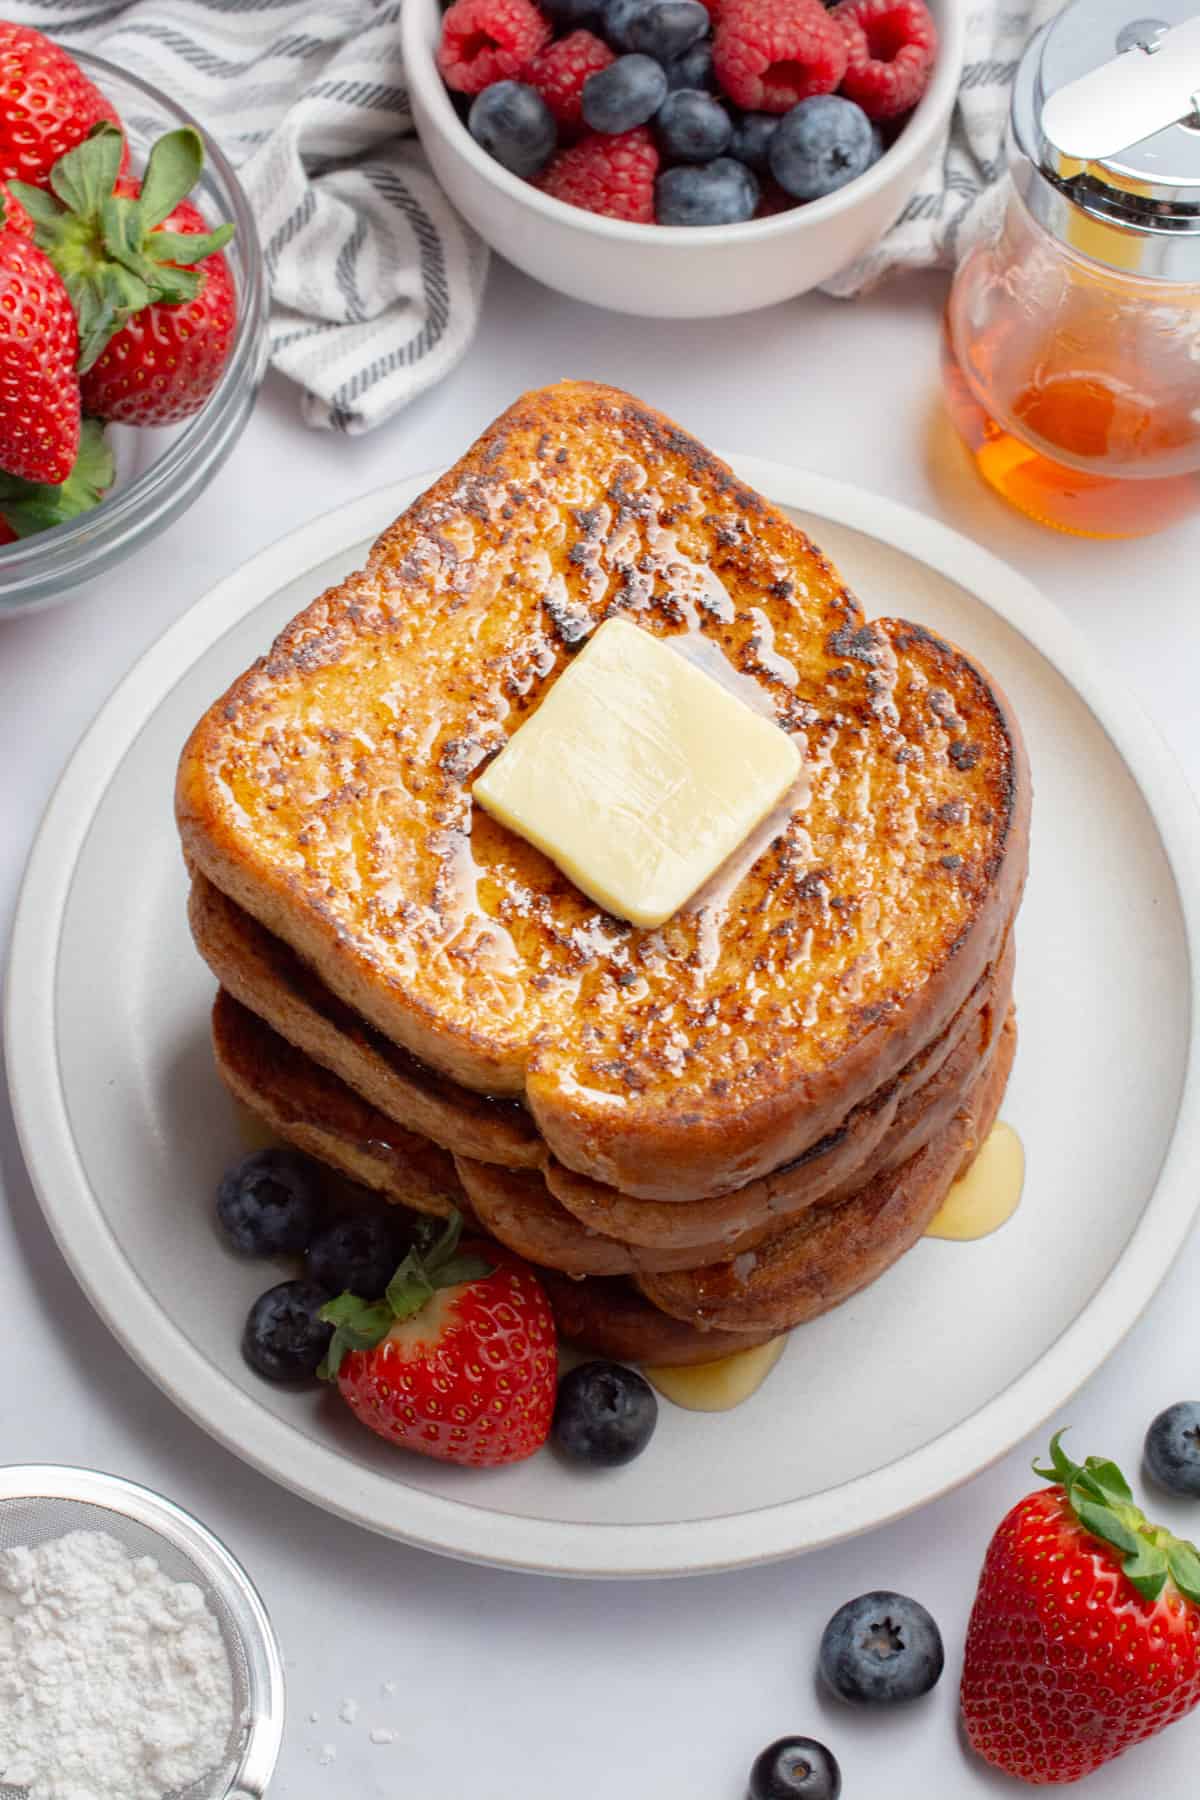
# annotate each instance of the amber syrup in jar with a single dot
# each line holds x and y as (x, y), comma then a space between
(1075, 388)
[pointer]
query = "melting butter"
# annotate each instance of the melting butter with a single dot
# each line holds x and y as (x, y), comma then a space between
(988, 1195)
(639, 774)
(722, 1385)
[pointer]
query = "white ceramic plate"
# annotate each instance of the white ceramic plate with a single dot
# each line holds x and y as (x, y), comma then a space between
(910, 1388)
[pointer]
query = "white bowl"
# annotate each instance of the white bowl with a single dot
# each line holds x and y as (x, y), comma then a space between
(670, 272)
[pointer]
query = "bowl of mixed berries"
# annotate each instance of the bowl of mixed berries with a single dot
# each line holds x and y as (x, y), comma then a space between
(682, 158)
(133, 313)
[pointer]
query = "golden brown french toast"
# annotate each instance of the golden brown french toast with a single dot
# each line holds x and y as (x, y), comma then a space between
(329, 794)
(805, 1269)
(319, 1114)
(265, 975)
(517, 1206)
(875, 1135)
(830, 1252)
(260, 971)
(610, 1318)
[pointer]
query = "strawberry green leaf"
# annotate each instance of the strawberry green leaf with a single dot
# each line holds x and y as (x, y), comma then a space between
(1062, 1469)
(1147, 1569)
(42, 207)
(85, 177)
(104, 244)
(172, 171)
(1102, 1501)
(343, 1310)
(462, 1268)
(357, 1327)
(447, 1244)
(1103, 1523)
(1108, 1478)
(33, 506)
(187, 247)
(410, 1288)
(1184, 1565)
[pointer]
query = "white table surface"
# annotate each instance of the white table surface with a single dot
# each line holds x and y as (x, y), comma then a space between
(510, 1685)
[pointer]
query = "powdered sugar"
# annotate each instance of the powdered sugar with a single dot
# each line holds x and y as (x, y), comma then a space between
(114, 1679)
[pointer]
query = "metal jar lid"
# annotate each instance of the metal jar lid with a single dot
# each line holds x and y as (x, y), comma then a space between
(1105, 138)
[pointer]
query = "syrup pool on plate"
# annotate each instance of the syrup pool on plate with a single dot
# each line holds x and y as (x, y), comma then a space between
(988, 1195)
(718, 1386)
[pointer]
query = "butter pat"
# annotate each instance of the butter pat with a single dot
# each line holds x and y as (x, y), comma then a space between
(638, 774)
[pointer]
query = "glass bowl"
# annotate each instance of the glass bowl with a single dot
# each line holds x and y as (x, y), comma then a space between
(160, 470)
(40, 1502)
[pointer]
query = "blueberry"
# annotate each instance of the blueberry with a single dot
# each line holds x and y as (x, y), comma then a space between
(693, 127)
(513, 123)
(627, 93)
(668, 28)
(269, 1203)
(881, 1648)
(1173, 1449)
(284, 1339)
(821, 145)
(357, 1255)
(795, 1768)
(618, 17)
(694, 69)
(605, 1414)
(723, 192)
(752, 139)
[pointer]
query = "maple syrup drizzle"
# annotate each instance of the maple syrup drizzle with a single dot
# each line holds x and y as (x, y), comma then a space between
(718, 1386)
(987, 1196)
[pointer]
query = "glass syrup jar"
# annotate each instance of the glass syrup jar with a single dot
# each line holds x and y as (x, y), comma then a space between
(1071, 345)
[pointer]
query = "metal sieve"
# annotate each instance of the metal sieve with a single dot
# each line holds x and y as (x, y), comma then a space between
(38, 1503)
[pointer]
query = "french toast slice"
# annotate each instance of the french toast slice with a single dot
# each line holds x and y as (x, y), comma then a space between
(328, 792)
(322, 1116)
(310, 1108)
(831, 1252)
(610, 1318)
(517, 1207)
(260, 970)
(875, 1135)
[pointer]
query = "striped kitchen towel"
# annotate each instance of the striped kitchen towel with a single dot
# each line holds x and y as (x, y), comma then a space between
(965, 186)
(376, 281)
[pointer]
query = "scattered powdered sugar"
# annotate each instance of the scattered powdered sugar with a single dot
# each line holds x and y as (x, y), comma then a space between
(349, 1712)
(114, 1679)
(383, 1734)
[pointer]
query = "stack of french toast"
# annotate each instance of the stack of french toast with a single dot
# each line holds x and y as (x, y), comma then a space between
(703, 1133)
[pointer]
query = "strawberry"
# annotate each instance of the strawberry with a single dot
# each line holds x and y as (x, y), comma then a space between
(155, 300)
(1085, 1634)
(30, 506)
(13, 216)
(39, 389)
(47, 103)
(457, 1361)
(162, 365)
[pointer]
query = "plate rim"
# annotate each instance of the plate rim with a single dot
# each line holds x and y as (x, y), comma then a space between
(461, 1528)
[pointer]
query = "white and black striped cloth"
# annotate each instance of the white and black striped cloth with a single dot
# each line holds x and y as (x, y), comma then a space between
(964, 186)
(376, 281)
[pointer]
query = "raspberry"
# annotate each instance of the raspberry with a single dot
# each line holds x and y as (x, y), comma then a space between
(891, 48)
(771, 54)
(609, 175)
(560, 71)
(489, 40)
